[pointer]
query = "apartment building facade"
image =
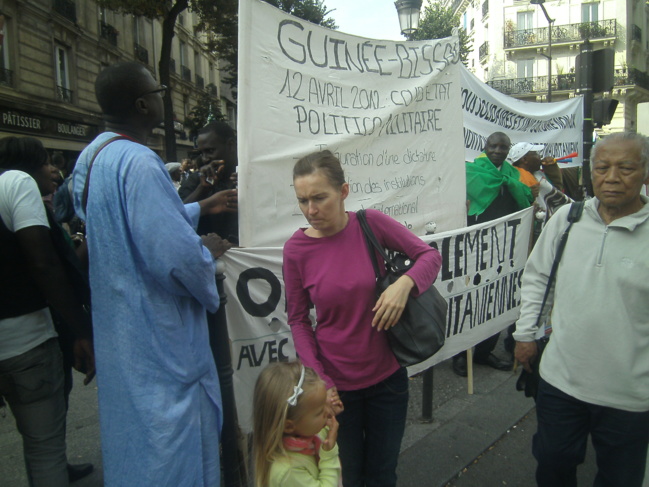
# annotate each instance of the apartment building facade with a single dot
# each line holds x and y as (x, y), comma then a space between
(512, 46)
(52, 50)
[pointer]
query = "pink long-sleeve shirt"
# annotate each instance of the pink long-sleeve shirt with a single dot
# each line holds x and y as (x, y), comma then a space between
(335, 273)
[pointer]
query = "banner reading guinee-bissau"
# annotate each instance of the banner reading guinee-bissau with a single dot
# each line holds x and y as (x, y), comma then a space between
(388, 110)
(480, 279)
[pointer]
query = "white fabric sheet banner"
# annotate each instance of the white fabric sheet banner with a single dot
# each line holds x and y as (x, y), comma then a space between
(389, 110)
(480, 278)
(556, 125)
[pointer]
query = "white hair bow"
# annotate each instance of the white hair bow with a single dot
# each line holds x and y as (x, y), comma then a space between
(297, 390)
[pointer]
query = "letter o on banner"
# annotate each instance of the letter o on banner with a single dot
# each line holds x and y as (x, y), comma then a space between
(259, 310)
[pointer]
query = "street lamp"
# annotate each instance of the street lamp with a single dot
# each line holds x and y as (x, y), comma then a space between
(408, 11)
(549, 54)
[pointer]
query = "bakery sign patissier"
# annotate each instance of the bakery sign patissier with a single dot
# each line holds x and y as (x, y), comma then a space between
(31, 123)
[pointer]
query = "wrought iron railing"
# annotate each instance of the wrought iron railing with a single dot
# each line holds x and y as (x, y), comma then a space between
(561, 33)
(6, 77)
(109, 33)
(631, 77)
(534, 84)
(141, 53)
(565, 82)
(64, 94)
(484, 50)
(185, 73)
(200, 82)
(67, 8)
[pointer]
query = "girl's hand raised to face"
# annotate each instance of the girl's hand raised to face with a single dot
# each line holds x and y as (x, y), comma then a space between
(332, 436)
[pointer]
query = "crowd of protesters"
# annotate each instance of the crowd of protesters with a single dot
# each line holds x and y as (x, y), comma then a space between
(336, 416)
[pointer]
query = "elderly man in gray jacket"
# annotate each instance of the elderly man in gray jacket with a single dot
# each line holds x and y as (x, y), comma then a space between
(595, 368)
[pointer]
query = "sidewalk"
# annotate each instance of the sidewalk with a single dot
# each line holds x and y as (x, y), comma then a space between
(479, 440)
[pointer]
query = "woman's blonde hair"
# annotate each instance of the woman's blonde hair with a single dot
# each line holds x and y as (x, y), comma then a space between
(271, 409)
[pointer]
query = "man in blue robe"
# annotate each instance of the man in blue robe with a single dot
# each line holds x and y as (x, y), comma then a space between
(152, 279)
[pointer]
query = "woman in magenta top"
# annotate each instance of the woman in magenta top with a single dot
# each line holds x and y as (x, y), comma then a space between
(328, 265)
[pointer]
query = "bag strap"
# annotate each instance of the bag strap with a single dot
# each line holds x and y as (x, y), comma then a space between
(84, 197)
(371, 241)
(576, 209)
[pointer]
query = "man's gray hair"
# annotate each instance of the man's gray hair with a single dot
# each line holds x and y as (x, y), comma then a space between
(641, 140)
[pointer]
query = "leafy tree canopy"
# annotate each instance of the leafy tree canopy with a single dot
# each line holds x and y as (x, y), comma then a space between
(314, 11)
(438, 22)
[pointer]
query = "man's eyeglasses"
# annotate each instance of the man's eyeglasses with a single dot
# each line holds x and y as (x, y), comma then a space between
(160, 89)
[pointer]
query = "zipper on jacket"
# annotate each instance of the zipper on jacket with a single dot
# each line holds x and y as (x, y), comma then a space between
(601, 250)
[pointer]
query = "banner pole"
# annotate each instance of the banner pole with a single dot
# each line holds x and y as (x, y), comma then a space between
(469, 370)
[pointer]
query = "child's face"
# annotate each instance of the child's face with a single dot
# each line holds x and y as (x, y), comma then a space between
(313, 412)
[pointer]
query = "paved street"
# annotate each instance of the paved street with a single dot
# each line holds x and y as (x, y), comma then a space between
(479, 440)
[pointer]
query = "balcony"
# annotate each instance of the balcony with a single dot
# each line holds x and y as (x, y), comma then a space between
(108, 33)
(631, 77)
(603, 29)
(6, 77)
(67, 9)
(534, 85)
(172, 65)
(485, 8)
(64, 94)
(185, 73)
(141, 54)
(200, 82)
(484, 51)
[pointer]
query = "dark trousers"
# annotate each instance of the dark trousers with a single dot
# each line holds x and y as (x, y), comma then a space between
(371, 429)
(619, 437)
(32, 384)
(483, 349)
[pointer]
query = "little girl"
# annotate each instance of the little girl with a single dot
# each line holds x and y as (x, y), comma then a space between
(294, 436)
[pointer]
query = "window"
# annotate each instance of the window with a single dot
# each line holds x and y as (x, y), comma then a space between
(186, 108)
(5, 72)
(589, 12)
(183, 53)
(137, 31)
(62, 75)
(197, 63)
(525, 68)
(524, 20)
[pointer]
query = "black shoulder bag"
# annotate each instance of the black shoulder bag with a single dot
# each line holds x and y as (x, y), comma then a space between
(421, 330)
(529, 382)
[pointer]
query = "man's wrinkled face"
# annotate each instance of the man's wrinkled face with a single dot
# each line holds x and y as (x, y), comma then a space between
(618, 175)
(497, 148)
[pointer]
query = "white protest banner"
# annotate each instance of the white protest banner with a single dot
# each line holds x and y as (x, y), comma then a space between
(557, 125)
(481, 272)
(388, 110)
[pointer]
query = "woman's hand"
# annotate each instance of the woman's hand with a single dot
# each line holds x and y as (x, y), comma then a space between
(334, 402)
(391, 303)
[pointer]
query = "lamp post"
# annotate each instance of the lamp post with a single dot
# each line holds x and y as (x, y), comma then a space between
(549, 54)
(408, 11)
